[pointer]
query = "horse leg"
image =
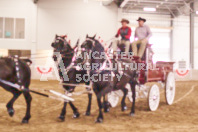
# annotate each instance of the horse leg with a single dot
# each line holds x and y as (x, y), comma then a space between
(100, 116)
(63, 112)
(123, 104)
(9, 105)
(133, 84)
(87, 113)
(76, 114)
(106, 105)
(28, 99)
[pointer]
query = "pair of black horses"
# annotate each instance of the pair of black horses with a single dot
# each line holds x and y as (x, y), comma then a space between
(100, 87)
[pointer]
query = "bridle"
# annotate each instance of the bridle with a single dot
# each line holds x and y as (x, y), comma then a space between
(61, 54)
(57, 41)
(87, 61)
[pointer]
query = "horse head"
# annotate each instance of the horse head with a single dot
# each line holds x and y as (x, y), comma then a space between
(62, 46)
(91, 49)
(89, 43)
(59, 43)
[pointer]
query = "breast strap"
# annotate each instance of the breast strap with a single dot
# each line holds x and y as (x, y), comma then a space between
(16, 62)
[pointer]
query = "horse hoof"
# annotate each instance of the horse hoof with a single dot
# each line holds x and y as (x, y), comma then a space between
(132, 114)
(106, 107)
(11, 112)
(99, 120)
(87, 113)
(76, 114)
(124, 108)
(24, 121)
(61, 118)
(106, 110)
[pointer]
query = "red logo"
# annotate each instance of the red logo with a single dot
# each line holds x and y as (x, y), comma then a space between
(182, 72)
(44, 70)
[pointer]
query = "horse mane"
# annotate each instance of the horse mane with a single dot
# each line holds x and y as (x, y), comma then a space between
(98, 46)
(69, 45)
(5, 57)
(8, 58)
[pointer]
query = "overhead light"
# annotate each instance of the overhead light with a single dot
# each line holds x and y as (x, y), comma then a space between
(196, 12)
(157, 6)
(149, 9)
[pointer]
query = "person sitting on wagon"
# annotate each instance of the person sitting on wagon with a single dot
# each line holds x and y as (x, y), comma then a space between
(142, 35)
(125, 33)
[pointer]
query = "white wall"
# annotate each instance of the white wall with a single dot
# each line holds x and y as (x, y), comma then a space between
(18, 9)
(49, 17)
(72, 17)
(75, 18)
(181, 40)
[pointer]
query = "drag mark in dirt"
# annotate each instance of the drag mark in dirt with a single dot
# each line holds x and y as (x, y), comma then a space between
(189, 92)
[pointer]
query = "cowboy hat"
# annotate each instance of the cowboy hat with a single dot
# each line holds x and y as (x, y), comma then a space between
(125, 20)
(141, 19)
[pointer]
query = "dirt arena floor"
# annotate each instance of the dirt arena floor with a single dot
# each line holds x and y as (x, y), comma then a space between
(182, 116)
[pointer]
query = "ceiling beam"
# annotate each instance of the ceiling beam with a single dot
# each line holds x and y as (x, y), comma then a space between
(172, 7)
(158, 2)
(144, 12)
(188, 6)
(170, 11)
(35, 1)
(124, 3)
(107, 2)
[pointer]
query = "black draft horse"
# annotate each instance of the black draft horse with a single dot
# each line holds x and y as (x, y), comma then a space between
(104, 84)
(61, 46)
(8, 73)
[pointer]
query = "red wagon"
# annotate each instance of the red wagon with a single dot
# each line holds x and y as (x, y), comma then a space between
(161, 73)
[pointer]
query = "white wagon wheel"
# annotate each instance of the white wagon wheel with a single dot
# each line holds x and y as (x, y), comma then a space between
(113, 97)
(153, 97)
(170, 88)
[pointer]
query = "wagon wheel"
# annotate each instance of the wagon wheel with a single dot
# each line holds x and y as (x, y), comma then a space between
(113, 97)
(153, 98)
(170, 88)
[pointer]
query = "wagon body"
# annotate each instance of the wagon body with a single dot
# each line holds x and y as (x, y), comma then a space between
(159, 72)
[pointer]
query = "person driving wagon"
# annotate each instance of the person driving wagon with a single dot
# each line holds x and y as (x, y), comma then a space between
(142, 35)
(125, 33)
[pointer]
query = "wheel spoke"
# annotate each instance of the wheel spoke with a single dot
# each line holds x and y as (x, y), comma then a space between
(170, 88)
(154, 97)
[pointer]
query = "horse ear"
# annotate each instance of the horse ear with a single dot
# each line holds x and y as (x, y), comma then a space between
(94, 36)
(56, 36)
(77, 43)
(87, 36)
(52, 44)
(110, 45)
(65, 36)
